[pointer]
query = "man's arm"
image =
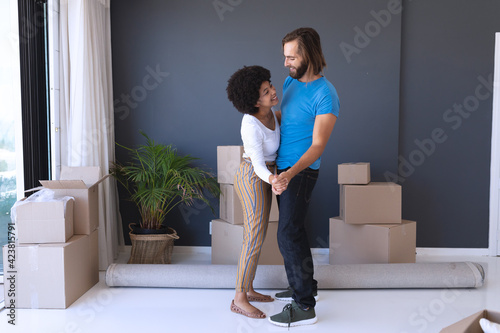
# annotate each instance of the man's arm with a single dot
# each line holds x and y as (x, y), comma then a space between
(323, 127)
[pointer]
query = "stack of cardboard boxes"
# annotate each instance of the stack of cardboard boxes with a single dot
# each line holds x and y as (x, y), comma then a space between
(227, 231)
(370, 228)
(55, 259)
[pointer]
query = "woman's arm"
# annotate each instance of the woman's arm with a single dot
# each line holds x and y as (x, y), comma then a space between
(253, 140)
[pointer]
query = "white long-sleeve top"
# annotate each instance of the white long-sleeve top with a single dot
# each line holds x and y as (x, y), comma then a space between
(260, 144)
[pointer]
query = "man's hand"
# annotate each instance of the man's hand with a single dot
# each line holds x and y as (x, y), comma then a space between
(275, 191)
(279, 184)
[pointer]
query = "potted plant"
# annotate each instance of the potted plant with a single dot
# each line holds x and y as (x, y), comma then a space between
(158, 179)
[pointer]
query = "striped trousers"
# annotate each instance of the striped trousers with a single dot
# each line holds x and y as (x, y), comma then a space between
(255, 196)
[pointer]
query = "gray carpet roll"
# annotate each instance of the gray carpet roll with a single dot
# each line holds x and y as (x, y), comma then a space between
(366, 276)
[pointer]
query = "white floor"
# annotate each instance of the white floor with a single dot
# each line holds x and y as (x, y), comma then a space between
(139, 310)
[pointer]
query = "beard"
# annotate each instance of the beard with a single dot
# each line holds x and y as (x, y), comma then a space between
(299, 71)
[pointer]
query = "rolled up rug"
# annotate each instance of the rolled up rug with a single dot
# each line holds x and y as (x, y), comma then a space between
(360, 276)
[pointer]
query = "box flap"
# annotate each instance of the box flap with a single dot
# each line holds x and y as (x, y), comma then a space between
(100, 180)
(38, 188)
(63, 184)
(493, 316)
(469, 324)
(89, 175)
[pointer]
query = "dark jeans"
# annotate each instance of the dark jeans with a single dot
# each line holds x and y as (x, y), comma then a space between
(292, 237)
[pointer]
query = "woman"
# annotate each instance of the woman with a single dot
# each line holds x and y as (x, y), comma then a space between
(251, 92)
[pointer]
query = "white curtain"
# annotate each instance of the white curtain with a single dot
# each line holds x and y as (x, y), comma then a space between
(494, 238)
(86, 107)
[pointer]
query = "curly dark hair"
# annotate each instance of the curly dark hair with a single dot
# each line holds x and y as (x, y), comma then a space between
(243, 87)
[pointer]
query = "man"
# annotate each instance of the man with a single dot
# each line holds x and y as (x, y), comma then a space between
(309, 110)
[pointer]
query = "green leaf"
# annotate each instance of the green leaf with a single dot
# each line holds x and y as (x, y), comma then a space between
(158, 179)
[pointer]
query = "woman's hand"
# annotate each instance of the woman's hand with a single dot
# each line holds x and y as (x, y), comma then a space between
(279, 183)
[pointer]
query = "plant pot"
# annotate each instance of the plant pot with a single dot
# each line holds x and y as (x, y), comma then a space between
(137, 230)
(151, 248)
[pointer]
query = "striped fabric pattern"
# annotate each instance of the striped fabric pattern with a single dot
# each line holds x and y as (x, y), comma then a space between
(255, 197)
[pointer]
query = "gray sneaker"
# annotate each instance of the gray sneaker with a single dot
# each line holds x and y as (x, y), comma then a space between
(286, 296)
(293, 315)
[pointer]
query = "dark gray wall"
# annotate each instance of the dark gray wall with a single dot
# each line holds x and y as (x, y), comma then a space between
(196, 47)
(447, 60)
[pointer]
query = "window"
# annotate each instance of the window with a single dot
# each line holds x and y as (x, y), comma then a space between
(11, 163)
(24, 116)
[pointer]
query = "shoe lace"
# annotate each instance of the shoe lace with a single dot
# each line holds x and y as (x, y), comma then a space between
(289, 309)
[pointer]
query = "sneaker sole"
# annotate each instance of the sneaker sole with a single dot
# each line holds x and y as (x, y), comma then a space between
(298, 323)
(289, 299)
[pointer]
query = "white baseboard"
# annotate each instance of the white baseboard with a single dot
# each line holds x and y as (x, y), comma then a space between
(320, 251)
(424, 251)
(208, 250)
(437, 251)
(193, 249)
(177, 249)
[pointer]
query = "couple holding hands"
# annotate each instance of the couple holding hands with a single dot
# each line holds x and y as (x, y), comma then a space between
(282, 154)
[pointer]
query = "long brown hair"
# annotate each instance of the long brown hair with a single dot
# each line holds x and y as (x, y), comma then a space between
(309, 47)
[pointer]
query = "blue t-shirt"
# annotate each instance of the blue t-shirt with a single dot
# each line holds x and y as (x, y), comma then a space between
(301, 103)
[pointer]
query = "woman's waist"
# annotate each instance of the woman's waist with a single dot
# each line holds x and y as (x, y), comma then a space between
(268, 163)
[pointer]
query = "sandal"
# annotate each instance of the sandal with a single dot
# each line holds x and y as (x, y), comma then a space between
(256, 314)
(263, 298)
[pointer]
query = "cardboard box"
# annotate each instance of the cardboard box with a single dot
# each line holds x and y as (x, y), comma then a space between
(227, 240)
(44, 222)
(372, 243)
(274, 214)
(370, 204)
(82, 184)
(230, 209)
(471, 323)
(51, 276)
(228, 162)
(354, 173)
